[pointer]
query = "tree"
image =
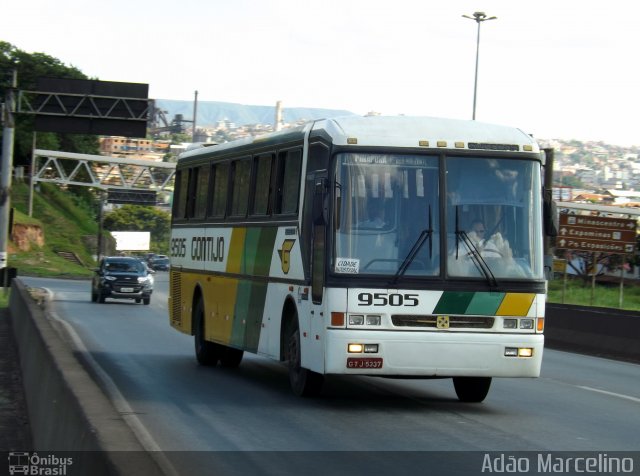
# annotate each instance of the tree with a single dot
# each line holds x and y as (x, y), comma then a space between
(30, 67)
(571, 181)
(142, 218)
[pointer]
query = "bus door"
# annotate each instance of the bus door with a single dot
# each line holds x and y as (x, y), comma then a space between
(320, 200)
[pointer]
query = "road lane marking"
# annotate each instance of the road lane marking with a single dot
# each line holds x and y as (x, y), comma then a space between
(619, 395)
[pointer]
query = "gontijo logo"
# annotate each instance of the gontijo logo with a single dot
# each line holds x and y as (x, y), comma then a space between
(285, 255)
(201, 248)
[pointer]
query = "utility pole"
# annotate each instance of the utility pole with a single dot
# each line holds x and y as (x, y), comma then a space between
(6, 168)
(195, 112)
(478, 17)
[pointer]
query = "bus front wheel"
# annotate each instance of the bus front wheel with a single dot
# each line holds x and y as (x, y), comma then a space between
(207, 353)
(304, 382)
(471, 389)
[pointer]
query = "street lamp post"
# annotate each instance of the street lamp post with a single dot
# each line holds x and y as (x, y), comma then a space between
(478, 17)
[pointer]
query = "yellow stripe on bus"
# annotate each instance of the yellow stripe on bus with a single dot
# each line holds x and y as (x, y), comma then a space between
(234, 262)
(220, 297)
(516, 304)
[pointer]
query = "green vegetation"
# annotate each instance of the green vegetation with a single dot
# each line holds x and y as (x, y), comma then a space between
(69, 221)
(4, 298)
(606, 295)
(68, 227)
(29, 67)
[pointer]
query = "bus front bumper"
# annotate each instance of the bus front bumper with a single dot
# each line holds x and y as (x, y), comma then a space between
(434, 354)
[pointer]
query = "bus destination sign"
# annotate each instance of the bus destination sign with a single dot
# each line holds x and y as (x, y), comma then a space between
(591, 233)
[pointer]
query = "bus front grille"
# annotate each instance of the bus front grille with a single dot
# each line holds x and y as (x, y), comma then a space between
(454, 322)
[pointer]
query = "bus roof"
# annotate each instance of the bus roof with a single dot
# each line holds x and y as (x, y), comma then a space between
(428, 132)
(396, 131)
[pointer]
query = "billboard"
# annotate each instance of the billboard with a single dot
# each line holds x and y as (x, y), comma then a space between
(84, 106)
(132, 240)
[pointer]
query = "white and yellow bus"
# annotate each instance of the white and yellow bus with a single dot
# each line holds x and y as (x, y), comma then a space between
(380, 246)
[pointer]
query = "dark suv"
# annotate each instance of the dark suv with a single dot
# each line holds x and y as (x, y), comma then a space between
(121, 277)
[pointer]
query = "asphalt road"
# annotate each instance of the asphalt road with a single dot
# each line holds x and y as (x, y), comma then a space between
(580, 403)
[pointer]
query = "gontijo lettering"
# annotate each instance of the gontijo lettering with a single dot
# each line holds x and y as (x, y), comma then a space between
(207, 248)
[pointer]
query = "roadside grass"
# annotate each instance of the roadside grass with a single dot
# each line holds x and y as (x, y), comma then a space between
(68, 226)
(604, 295)
(46, 264)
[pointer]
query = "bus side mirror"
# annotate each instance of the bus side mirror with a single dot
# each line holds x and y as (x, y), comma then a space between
(319, 201)
(550, 218)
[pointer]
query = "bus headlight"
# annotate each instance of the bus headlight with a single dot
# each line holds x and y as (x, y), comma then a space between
(360, 348)
(372, 320)
(510, 323)
(518, 352)
(356, 319)
(526, 323)
(361, 320)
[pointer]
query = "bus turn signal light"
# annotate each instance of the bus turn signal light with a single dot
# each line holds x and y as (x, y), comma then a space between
(337, 319)
(540, 327)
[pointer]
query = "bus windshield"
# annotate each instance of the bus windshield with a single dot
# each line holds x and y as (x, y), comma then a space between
(387, 211)
(493, 218)
(387, 217)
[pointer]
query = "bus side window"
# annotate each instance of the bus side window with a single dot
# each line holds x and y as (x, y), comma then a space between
(240, 188)
(191, 193)
(202, 191)
(220, 181)
(262, 197)
(180, 198)
(288, 182)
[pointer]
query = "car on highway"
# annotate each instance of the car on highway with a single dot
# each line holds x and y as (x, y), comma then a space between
(122, 277)
(160, 263)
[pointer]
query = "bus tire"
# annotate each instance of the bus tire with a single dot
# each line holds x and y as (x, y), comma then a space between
(230, 357)
(471, 389)
(207, 353)
(304, 382)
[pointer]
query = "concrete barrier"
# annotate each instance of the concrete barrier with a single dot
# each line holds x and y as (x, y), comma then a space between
(603, 332)
(67, 410)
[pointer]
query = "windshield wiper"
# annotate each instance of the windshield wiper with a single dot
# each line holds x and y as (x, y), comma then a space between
(424, 234)
(476, 257)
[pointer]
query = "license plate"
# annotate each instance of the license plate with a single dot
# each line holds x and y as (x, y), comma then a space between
(126, 290)
(364, 362)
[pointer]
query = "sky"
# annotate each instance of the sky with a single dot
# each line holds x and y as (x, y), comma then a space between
(557, 69)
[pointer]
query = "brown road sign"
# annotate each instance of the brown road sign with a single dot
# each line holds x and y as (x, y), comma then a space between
(591, 233)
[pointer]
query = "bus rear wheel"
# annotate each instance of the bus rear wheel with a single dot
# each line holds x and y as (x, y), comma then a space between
(304, 382)
(207, 353)
(471, 389)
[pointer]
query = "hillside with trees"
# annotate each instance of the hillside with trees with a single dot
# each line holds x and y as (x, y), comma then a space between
(29, 67)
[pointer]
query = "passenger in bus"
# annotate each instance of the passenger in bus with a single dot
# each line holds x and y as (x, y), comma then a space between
(476, 233)
(494, 246)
